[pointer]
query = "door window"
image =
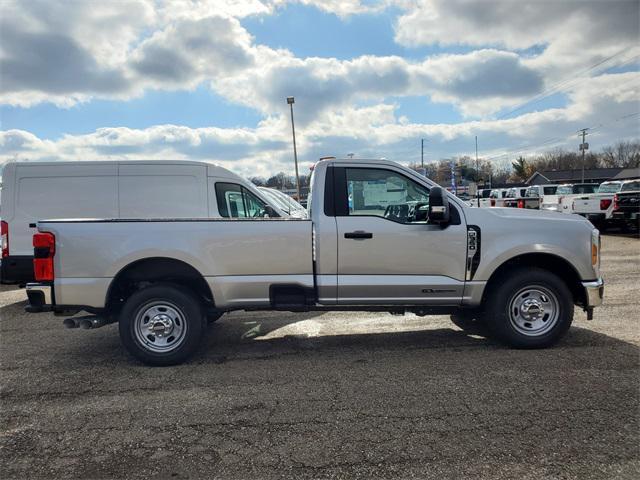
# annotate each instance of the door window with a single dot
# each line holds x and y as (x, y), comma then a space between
(386, 194)
(235, 201)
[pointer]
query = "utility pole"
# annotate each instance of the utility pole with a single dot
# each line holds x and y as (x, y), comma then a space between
(584, 146)
(290, 101)
(477, 174)
(422, 153)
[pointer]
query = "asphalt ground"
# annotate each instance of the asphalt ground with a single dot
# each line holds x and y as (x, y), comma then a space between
(334, 395)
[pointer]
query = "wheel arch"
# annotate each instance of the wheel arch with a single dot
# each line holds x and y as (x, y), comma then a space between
(546, 261)
(150, 270)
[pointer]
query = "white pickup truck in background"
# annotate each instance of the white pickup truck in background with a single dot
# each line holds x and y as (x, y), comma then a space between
(497, 197)
(547, 194)
(599, 208)
(380, 237)
(566, 193)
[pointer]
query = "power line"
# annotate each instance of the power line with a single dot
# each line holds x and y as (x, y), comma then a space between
(575, 78)
(556, 140)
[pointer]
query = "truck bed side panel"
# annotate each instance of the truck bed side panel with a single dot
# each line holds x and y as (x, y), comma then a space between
(236, 257)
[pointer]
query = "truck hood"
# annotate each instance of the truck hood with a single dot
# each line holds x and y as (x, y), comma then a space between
(532, 216)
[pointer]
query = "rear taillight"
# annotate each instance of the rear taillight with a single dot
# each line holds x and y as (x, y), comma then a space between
(4, 235)
(604, 203)
(44, 247)
(493, 202)
(520, 203)
(616, 205)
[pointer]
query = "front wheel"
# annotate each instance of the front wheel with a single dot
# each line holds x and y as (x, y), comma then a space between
(162, 324)
(529, 308)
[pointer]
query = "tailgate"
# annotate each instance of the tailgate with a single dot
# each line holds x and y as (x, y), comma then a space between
(586, 204)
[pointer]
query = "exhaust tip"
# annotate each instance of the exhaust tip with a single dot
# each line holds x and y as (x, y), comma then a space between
(70, 323)
(86, 324)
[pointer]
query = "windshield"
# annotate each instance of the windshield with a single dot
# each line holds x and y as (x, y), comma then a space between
(564, 190)
(588, 188)
(612, 187)
(277, 201)
(631, 186)
(289, 201)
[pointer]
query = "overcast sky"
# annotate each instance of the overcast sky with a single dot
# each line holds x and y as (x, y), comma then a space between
(200, 79)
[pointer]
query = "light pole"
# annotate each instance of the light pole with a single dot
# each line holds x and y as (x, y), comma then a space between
(291, 101)
(477, 174)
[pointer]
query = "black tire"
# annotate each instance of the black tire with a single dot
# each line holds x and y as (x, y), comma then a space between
(470, 321)
(214, 317)
(513, 287)
(188, 316)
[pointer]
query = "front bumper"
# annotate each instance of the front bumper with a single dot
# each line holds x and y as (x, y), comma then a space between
(40, 296)
(594, 293)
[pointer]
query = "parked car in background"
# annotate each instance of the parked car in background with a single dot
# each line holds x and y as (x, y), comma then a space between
(35, 191)
(381, 237)
(626, 205)
(483, 198)
(548, 198)
(497, 196)
(285, 202)
(516, 197)
(567, 192)
(602, 208)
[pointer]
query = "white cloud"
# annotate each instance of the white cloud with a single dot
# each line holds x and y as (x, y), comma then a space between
(180, 48)
(572, 33)
(373, 131)
(74, 51)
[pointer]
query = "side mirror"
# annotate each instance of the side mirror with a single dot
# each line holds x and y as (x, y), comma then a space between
(270, 212)
(438, 206)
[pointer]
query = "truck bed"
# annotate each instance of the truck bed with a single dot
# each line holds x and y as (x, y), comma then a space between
(239, 258)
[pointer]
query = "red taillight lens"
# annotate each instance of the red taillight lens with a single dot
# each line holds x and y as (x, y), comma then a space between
(44, 247)
(4, 236)
(604, 203)
(493, 202)
(615, 202)
(520, 203)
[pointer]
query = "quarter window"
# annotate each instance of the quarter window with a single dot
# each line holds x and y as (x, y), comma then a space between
(235, 201)
(386, 194)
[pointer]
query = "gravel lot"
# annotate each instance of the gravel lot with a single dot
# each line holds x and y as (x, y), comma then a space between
(328, 395)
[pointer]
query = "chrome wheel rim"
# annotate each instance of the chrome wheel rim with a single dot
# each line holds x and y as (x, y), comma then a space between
(160, 326)
(534, 311)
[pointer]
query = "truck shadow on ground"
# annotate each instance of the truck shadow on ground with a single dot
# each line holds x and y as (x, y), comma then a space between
(293, 336)
(243, 336)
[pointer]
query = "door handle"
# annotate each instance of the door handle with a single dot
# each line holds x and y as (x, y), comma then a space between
(358, 235)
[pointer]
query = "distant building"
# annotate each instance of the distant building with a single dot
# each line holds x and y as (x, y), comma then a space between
(592, 175)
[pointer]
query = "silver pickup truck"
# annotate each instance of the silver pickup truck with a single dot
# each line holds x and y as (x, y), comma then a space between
(380, 237)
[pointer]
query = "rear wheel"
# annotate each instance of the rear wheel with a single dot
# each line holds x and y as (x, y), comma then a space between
(162, 324)
(530, 308)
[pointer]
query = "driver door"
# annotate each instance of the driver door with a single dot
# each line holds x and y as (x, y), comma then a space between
(388, 253)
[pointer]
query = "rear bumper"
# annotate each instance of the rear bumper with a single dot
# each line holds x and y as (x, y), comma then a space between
(40, 297)
(16, 269)
(593, 217)
(626, 215)
(594, 292)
